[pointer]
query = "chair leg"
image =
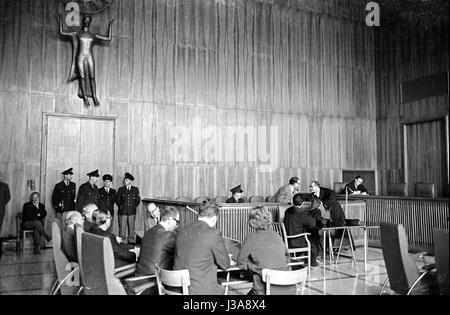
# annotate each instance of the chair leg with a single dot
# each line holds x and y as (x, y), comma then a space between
(384, 285)
(52, 290)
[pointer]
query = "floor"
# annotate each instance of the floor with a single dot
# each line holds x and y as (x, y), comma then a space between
(27, 274)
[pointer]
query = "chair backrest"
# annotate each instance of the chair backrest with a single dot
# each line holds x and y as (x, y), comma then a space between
(163, 198)
(257, 199)
(201, 199)
(78, 246)
(401, 268)
(440, 238)
(220, 199)
(268, 198)
(278, 277)
(62, 265)
(339, 187)
(98, 266)
(397, 189)
(184, 199)
(281, 230)
(424, 190)
(173, 279)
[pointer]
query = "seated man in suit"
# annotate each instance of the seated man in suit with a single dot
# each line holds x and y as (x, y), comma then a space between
(72, 218)
(122, 253)
(200, 248)
(33, 216)
(152, 216)
(329, 202)
(88, 212)
(236, 195)
(356, 187)
(286, 192)
(299, 220)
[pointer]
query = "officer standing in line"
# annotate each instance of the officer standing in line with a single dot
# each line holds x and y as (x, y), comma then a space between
(63, 197)
(88, 192)
(108, 197)
(128, 199)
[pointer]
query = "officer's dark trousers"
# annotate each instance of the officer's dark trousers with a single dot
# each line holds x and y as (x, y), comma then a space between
(126, 222)
(38, 229)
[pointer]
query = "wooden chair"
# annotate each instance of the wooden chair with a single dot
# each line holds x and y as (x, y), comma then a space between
(68, 281)
(220, 199)
(184, 199)
(278, 277)
(297, 254)
(339, 187)
(440, 238)
(174, 279)
(257, 199)
(424, 190)
(201, 199)
(403, 274)
(397, 190)
(22, 234)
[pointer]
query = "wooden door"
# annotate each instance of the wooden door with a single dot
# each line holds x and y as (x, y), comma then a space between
(83, 143)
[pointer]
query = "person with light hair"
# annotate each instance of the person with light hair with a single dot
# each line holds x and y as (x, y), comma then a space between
(88, 212)
(261, 249)
(72, 218)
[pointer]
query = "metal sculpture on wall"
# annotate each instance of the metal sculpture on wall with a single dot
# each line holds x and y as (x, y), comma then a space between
(83, 66)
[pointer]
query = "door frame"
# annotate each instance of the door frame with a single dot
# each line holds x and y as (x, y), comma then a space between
(405, 125)
(44, 132)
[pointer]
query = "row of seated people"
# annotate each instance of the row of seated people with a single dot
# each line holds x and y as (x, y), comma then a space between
(199, 247)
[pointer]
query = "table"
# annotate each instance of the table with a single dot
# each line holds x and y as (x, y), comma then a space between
(346, 229)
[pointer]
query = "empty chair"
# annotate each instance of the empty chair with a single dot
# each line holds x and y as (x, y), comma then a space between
(184, 199)
(397, 189)
(440, 238)
(173, 279)
(220, 199)
(257, 199)
(202, 199)
(284, 278)
(297, 254)
(424, 190)
(339, 187)
(68, 281)
(403, 274)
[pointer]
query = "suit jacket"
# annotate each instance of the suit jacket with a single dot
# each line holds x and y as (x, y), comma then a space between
(108, 199)
(127, 201)
(283, 194)
(328, 198)
(350, 187)
(264, 249)
(5, 197)
(31, 213)
(297, 221)
(87, 194)
(64, 194)
(157, 247)
(122, 255)
(68, 242)
(232, 200)
(201, 249)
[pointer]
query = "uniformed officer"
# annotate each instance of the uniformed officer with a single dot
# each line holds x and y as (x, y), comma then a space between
(128, 199)
(88, 192)
(64, 194)
(108, 197)
(236, 197)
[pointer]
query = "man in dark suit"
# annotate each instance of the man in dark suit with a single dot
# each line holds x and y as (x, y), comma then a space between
(122, 253)
(33, 215)
(200, 248)
(88, 192)
(328, 199)
(285, 193)
(236, 197)
(5, 196)
(128, 199)
(298, 220)
(64, 193)
(356, 187)
(108, 197)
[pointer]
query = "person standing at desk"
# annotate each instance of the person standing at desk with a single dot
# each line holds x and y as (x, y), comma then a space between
(356, 187)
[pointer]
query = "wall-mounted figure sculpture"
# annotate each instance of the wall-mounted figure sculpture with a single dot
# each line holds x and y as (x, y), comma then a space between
(83, 66)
